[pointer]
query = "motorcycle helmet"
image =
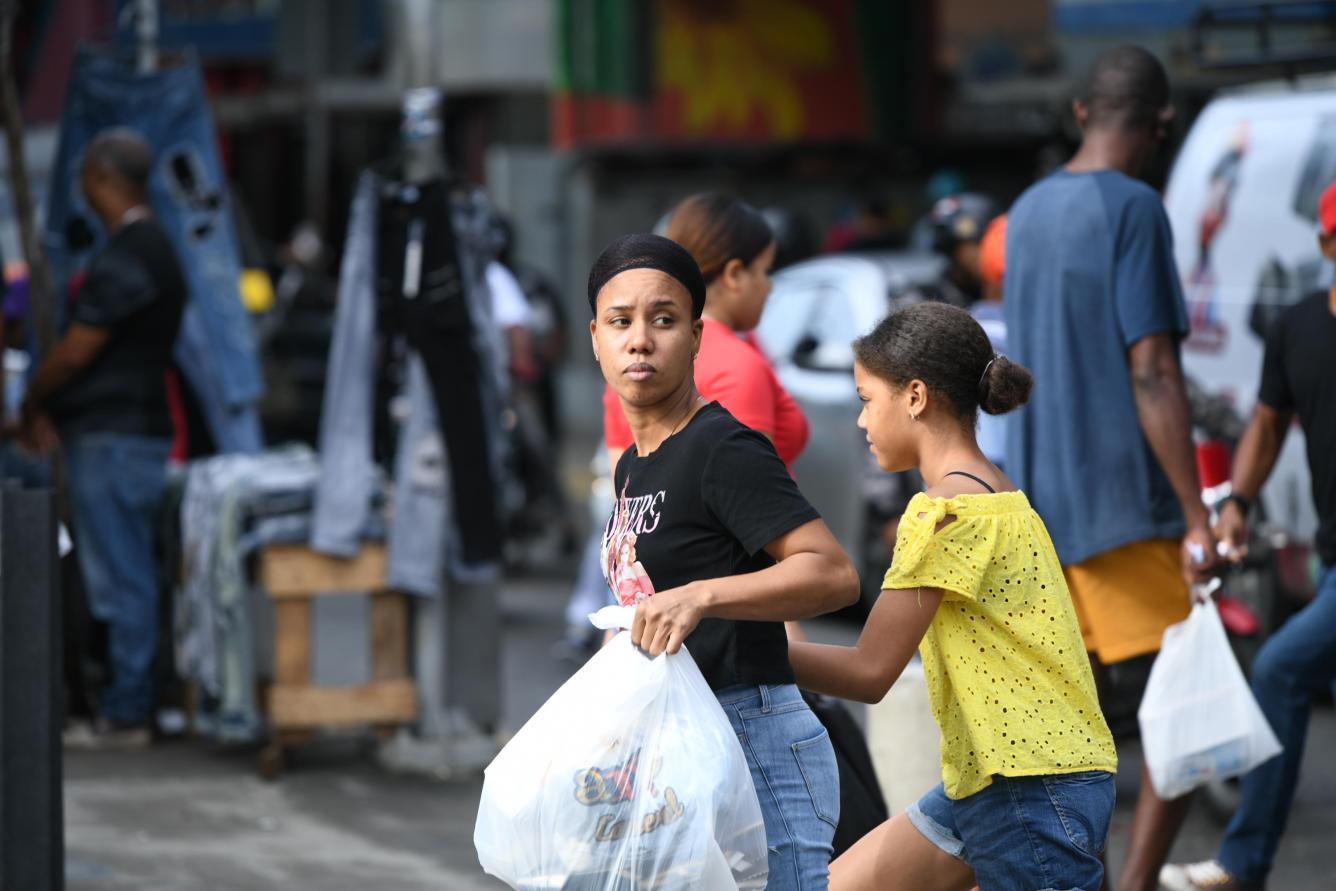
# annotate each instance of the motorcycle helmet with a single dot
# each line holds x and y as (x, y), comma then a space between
(960, 218)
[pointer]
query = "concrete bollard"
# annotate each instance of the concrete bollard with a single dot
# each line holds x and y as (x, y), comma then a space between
(904, 741)
(32, 841)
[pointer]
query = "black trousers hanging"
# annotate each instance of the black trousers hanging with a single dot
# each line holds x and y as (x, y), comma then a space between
(421, 299)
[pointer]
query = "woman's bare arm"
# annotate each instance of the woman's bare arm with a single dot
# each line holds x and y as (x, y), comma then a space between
(812, 575)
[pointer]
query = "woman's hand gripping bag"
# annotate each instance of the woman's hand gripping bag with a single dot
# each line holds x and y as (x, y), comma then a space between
(1199, 720)
(629, 777)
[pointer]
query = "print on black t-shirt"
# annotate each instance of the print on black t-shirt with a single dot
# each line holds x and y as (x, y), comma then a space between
(632, 518)
(704, 505)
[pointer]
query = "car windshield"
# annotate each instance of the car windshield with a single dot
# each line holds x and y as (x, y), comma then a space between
(819, 308)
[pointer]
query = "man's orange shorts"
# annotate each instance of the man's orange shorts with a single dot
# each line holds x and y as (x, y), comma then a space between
(1126, 597)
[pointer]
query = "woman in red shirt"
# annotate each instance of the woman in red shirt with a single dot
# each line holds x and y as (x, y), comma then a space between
(735, 248)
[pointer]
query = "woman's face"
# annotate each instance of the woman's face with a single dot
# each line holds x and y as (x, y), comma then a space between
(644, 337)
(754, 287)
(886, 419)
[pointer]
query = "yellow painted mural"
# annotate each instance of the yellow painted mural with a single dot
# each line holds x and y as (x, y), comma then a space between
(740, 66)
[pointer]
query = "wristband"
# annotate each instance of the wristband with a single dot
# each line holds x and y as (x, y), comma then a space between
(1244, 504)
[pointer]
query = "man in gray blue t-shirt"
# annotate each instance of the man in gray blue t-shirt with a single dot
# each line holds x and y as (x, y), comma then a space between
(1104, 448)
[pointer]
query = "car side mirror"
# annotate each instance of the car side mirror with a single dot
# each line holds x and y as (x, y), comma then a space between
(813, 355)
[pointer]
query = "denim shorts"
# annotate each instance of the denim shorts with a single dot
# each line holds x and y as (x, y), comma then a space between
(1025, 833)
(797, 781)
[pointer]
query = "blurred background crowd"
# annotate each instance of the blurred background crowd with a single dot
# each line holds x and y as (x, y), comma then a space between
(319, 165)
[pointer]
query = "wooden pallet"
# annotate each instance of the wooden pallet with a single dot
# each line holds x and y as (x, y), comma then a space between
(294, 575)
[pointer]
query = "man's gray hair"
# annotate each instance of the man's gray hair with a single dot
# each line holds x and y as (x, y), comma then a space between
(122, 151)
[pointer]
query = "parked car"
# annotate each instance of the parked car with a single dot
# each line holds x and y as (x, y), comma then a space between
(818, 307)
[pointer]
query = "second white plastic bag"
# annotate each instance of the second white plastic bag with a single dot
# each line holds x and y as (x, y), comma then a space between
(629, 777)
(1199, 720)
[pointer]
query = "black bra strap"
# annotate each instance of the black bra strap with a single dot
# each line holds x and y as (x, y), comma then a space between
(973, 477)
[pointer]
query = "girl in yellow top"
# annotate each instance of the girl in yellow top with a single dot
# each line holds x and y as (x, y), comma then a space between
(1027, 760)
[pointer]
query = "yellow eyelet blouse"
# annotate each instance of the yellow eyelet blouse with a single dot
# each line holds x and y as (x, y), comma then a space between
(1007, 673)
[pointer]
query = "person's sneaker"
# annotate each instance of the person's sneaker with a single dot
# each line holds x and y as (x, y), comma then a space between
(1205, 876)
(104, 735)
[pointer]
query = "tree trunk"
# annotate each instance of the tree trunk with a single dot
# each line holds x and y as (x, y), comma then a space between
(41, 286)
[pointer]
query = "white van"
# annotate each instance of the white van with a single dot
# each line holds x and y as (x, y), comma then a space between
(1242, 200)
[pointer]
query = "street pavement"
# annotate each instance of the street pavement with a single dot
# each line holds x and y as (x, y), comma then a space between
(190, 815)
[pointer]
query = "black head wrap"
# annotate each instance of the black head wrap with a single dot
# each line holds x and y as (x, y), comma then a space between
(645, 251)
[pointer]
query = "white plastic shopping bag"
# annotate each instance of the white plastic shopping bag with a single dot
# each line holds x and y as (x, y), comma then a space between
(1199, 720)
(629, 777)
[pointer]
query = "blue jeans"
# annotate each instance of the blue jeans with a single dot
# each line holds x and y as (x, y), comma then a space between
(116, 484)
(424, 540)
(1025, 833)
(1295, 665)
(793, 768)
(215, 349)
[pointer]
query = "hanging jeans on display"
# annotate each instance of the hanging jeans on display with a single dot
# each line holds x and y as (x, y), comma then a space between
(424, 469)
(215, 349)
(420, 297)
(457, 638)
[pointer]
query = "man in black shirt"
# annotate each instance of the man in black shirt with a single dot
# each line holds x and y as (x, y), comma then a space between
(103, 385)
(1298, 662)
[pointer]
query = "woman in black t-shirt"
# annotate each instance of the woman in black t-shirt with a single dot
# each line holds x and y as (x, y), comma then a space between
(711, 524)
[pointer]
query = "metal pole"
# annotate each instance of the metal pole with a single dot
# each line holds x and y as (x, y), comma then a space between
(146, 35)
(32, 840)
(419, 47)
(316, 123)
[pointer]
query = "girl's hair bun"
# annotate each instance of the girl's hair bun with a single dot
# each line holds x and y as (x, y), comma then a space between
(1004, 386)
